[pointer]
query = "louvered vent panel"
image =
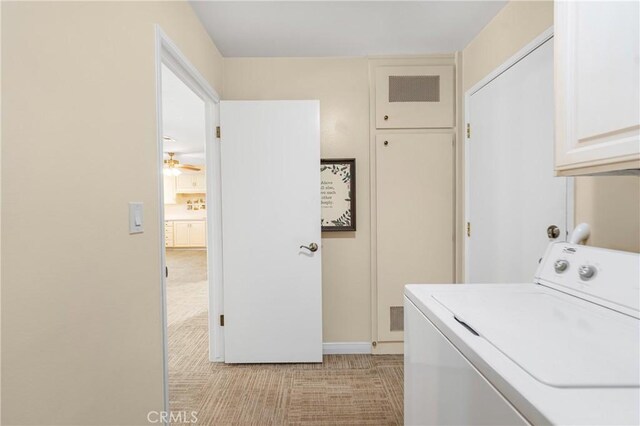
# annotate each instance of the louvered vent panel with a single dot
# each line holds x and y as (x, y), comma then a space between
(414, 88)
(397, 318)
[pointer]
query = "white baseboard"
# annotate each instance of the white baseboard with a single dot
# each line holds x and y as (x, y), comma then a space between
(346, 348)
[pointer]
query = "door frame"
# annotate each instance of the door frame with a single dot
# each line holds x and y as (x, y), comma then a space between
(167, 53)
(517, 57)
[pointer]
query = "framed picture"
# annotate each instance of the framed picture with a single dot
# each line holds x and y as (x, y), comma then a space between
(338, 194)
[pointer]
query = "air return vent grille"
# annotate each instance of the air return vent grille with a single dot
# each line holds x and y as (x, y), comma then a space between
(414, 88)
(397, 318)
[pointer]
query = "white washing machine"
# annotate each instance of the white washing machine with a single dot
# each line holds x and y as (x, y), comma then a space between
(562, 350)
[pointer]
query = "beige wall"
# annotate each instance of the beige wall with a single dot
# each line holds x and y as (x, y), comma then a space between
(610, 204)
(81, 318)
(510, 30)
(342, 87)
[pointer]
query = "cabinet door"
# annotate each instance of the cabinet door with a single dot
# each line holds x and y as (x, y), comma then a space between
(198, 234)
(184, 183)
(414, 97)
(199, 182)
(597, 89)
(414, 180)
(181, 234)
(169, 190)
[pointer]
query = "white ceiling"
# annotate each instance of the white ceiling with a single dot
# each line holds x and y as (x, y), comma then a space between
(183, 120)
(342, 28)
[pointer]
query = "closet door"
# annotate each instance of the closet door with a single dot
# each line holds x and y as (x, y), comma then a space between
(414, 181)
(513, 196)
(413, 97)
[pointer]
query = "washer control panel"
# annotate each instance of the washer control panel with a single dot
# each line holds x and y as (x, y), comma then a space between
(607, 277)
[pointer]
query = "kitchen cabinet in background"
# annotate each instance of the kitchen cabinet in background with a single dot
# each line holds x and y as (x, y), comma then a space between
(181, 234)
(188, 183)
(187, 233)
(198, 234)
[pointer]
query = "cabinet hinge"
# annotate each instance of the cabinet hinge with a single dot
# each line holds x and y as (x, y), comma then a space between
(468, 131)
(468, 229)
(221, 320)
(218, 132)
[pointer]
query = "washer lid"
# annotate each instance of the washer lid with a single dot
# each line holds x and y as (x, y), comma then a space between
(559, 340)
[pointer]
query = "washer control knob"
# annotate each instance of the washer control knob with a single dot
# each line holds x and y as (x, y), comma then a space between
(586, 272)
(561, 265)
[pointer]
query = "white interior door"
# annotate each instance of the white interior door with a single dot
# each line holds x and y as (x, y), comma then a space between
(512, 194)
(270, 208)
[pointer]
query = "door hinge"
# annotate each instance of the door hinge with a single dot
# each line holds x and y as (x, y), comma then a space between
(221, 320)
(166, 272)
(468, 229)
(468, 131)
(218, 132)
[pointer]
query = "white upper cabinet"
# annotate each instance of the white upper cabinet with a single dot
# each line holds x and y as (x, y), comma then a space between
(597, 73)
(413, 97)
(188, 183)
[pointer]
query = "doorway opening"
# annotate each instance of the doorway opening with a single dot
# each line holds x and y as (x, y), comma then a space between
(190, 216)
(185, 218)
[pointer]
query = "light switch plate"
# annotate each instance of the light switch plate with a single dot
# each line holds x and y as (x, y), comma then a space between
(136, 218)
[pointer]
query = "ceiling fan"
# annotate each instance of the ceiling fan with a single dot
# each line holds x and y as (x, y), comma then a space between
(173, 167)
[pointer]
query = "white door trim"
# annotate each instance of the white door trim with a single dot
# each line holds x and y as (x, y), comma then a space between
(168, 54)
(521, 54)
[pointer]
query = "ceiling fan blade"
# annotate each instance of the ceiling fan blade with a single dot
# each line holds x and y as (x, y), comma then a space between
(189, 167)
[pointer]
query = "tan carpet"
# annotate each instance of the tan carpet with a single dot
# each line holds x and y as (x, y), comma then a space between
(344, 389)
(186, 266)
(186, 301)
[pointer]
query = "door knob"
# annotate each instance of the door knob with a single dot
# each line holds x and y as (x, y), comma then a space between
(561, 265)
(313, 247)
(586, 272)
(553, 232)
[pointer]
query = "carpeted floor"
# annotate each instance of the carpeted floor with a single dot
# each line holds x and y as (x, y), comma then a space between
(186, 266)
(344, 389)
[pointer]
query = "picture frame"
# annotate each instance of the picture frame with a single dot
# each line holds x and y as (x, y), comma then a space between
(338, 194)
